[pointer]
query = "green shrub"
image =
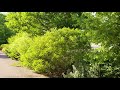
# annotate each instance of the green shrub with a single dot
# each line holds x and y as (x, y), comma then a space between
(60, 48)
(96, 64)
(5, 48)
(18, 45)
(104, 64)
(54, 52)
(74, 74)
(40, 66)
(1, 46)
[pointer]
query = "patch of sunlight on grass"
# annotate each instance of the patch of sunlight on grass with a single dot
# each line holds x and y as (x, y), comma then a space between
(17, 64)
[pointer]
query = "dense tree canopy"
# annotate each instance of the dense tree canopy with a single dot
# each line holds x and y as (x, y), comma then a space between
(40, 22)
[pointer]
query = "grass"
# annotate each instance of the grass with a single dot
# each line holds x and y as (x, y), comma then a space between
(17, 64)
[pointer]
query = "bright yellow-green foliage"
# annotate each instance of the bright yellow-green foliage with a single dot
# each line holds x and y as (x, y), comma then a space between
(60, 48)
(40, 22)
(40, 66)
(56, 50)
(18, 45)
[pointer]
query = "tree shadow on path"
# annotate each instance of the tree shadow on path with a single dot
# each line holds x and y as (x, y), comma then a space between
(2, 55)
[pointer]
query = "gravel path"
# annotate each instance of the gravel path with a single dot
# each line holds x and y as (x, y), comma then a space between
(7, 70)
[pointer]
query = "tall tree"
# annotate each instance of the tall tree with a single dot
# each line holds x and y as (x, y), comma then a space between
(40, 22)
(4, 31)
(105, 29)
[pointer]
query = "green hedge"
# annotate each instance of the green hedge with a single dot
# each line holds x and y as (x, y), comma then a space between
(59, 48)
(54, 52)
(18, 45)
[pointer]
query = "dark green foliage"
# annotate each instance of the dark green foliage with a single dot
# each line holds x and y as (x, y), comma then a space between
(109, 36)
(104, 28)
(4, 31)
